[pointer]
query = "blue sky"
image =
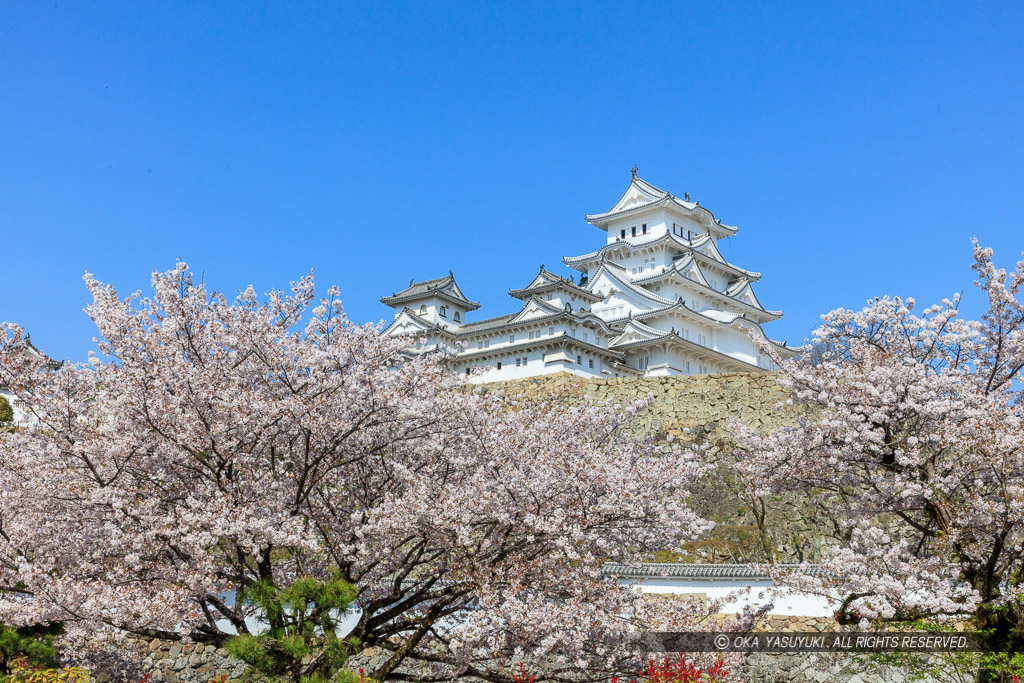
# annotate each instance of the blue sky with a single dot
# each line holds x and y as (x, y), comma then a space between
(858, 146)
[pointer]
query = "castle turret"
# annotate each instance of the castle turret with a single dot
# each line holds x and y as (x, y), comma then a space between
(438, 301)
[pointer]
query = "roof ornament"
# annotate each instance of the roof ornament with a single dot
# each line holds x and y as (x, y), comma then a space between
(411, 280)
(686, 196)
(633, 171)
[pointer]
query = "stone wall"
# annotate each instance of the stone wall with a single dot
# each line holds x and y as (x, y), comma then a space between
(682, 406)
(196, 663)
(189, 662)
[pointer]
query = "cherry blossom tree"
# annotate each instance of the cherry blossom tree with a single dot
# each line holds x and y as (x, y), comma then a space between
(913, 448)
(212, 444)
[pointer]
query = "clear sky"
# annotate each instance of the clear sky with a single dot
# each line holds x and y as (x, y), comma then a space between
(858, 146)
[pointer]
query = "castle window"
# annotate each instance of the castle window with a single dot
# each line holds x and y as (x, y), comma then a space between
(499, 365)
(591, 361)
(579, 360)
(518, 361)
(511, 339)
(423, 309)
(634, 230)
(645, 228)
(467, 372)
(444, 311)
(623, 233)
(642, 362)
(458, 317)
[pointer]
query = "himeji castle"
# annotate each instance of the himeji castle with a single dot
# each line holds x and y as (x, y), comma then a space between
(657, 299)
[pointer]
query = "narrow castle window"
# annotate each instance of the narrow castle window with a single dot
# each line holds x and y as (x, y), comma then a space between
(444, 311)
(423, 309)
(458, 317)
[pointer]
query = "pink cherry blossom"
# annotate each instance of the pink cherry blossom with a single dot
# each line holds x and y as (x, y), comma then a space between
(912, 445)
(211, 443)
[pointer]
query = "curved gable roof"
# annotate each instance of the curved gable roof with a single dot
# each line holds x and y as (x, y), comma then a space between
(620, 278)
(642, 195)
(442, 287)
(546, 281)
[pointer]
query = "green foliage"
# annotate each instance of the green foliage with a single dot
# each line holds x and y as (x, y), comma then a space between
(301, 644)
(6, 413)
(992, 662)
(34, 643)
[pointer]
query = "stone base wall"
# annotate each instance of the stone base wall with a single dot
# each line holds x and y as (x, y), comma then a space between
(682, 407)
(196, 663)
(172, 662)
(826, 667)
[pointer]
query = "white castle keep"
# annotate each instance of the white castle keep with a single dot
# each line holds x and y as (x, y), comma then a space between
(657, 299)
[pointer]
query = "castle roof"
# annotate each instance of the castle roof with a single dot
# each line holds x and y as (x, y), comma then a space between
(562, 339)
(641, 196)
(681, 570)
(702, 247)
(534, 311)
(441, 287)
(739, 293)
(638, 335)
(546, 281)
(621, 277)
(713, 317)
